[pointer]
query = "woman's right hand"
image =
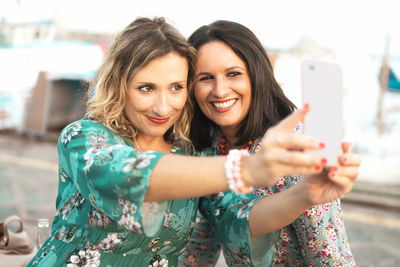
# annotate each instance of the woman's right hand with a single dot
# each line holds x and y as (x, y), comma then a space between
(334, 182)
(282, 153)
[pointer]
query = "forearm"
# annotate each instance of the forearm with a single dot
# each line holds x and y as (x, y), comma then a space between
(179, 177)
(276, 211)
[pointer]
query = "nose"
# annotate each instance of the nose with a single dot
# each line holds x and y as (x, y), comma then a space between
(220, 89)
(161, 105)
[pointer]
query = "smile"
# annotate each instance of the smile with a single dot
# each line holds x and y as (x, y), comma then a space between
(223, 106)
(156, 120)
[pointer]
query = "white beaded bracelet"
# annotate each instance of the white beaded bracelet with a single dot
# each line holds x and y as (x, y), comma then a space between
(233, 171)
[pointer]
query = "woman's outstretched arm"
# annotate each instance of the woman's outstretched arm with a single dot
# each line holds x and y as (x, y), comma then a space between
(331, 184)
(177, 177)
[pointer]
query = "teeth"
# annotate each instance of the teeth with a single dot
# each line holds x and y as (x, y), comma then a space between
(222, 105)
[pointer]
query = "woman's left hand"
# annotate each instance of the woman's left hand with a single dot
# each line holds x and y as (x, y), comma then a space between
(335, 181)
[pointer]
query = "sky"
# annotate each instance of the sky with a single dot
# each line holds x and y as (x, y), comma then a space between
(342, 24)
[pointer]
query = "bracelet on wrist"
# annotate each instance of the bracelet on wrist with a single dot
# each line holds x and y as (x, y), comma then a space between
(233, 171)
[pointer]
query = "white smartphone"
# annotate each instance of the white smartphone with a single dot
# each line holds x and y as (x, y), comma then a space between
(322, 88)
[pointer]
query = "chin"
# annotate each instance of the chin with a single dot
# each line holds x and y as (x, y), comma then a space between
(157, 134)
(223, 123)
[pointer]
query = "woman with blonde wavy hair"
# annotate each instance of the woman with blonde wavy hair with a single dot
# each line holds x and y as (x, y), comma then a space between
(127, 195)
(138, 102)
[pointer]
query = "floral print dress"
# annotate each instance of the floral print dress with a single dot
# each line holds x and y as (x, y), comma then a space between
(315, 238)
(101, 217)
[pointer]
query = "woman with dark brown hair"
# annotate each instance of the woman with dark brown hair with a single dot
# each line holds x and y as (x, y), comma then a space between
(237, 100)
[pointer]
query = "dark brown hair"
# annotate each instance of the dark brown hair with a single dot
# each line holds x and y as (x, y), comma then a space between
(268, 105)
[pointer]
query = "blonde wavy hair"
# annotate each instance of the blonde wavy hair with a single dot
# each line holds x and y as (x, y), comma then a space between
(134, 47)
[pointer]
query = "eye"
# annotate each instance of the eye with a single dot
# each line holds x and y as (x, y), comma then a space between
(205, 78)
(145, 88)
(233, 74)
(177, 88)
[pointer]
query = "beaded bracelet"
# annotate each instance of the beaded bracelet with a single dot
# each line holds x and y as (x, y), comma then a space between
(233, 172)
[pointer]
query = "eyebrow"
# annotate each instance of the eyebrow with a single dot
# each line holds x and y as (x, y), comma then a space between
(235, 67)
(154, 85)
(183, 81)
(227, 69)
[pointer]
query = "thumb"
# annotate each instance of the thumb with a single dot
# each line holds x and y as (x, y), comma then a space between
(346, 147)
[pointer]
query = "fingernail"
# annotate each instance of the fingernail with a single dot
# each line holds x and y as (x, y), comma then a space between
(324, 161)
(334, 168)
(321, 145)
(345, 159)
(306, 106)
(318, 168)
(349, 143)
(331, 174)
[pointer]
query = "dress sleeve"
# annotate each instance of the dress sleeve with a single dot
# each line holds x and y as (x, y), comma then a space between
(111, 175)
(317, 237)
(227, 214)
(203, 248)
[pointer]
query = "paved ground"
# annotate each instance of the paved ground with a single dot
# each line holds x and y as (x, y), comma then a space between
(28, 187)
(374, 235)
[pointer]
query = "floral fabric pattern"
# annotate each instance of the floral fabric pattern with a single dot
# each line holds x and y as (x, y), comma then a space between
(101, 218)
(157, 261)
(316, 238)
(203, 250)
(70, 131)
(83, 258)
(221, 224)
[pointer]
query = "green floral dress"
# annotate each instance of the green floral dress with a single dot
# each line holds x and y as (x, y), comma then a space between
(316, 238)
(101, 217)
(211, 234)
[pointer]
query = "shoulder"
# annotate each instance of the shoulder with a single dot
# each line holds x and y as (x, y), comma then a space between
(82, 128)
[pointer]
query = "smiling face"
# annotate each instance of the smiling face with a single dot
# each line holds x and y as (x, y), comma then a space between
(156, 96)
(223, 87)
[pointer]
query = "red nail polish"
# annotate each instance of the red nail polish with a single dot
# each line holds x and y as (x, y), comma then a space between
(331, 174)
(334, 168)
(318, 168)
(321, 145)
(345, 159)
(324, 161)
(306, 106)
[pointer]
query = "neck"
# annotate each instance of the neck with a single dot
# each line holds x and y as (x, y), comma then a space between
(230, 133)
(146, 143)
(229, 140)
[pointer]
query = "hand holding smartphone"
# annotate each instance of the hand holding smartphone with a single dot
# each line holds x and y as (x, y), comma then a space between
(322, 88)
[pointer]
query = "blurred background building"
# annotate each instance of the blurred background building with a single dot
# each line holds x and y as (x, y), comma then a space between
(51, 49)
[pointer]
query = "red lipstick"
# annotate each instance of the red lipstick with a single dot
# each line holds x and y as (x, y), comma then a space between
(157, 121)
